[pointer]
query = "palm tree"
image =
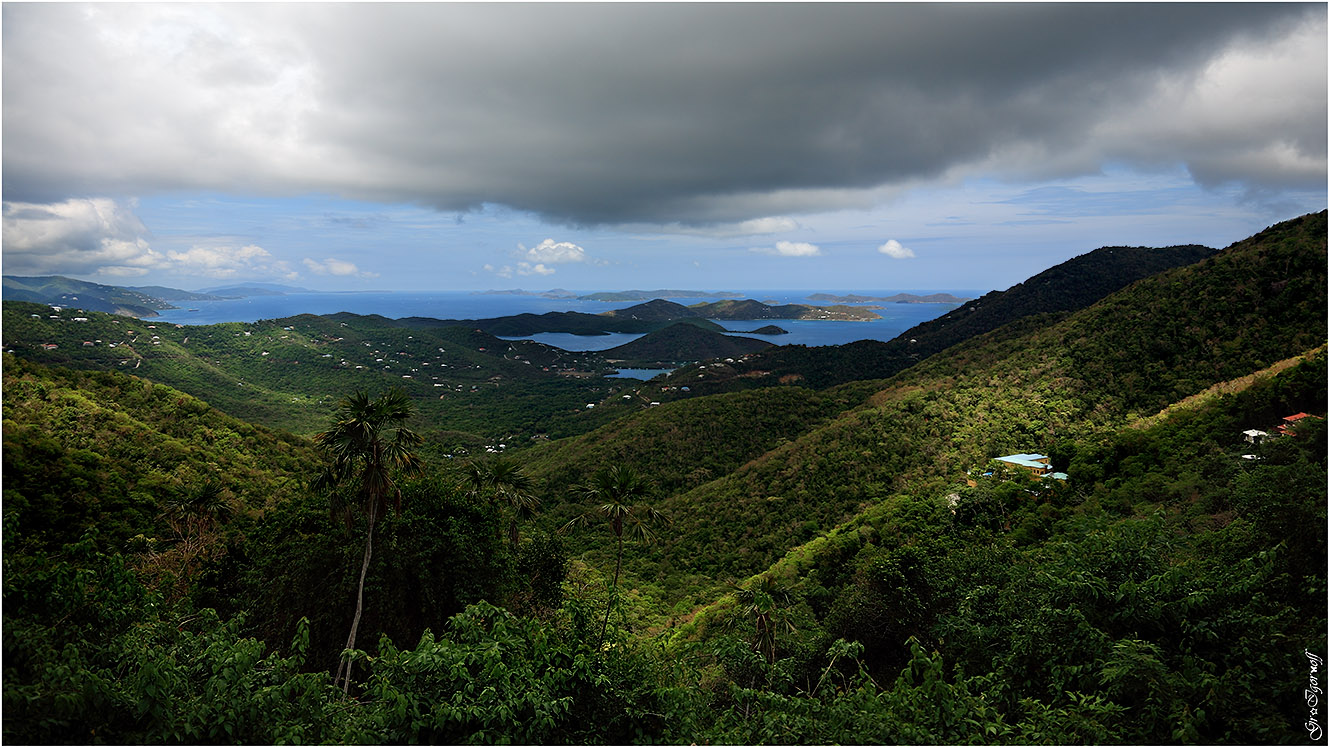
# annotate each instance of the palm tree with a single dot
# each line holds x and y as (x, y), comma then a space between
(191, 513)
(194, 515)
(768, 604)
(619, 490)
(503, 481)
(366, 441)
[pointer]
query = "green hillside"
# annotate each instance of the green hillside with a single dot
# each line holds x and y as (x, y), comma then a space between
(689, 442)
(1029, 386)
(829, 564)
(105, 450)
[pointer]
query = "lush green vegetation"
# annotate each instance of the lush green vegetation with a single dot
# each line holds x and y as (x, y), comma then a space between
(777, 565)
(286, 373)
(107, 450)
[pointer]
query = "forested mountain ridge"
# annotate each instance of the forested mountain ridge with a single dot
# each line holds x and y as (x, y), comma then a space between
(1071, 285)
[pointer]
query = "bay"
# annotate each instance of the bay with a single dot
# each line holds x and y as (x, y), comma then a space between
(896, 318)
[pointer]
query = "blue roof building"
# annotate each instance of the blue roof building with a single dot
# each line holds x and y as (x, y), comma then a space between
(1035, 463)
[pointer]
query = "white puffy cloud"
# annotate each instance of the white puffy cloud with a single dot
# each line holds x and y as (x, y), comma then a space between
(767, 225)
(554, 252)
(537, 260)
(103, 237)
(524, 268)
(790, 249)
(895, 251)
(334, 266)
(79, 236)
(219, 260)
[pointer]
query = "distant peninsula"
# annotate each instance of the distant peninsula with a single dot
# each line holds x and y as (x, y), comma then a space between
(900, 298)
(57, 290)
(255, 289)
(129, 301)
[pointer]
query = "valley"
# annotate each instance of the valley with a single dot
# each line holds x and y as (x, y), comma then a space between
(813, 543)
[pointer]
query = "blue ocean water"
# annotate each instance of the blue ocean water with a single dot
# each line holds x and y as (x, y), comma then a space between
(896, 318)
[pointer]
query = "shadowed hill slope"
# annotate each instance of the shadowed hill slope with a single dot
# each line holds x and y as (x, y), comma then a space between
(683, 341)
(1028, 386)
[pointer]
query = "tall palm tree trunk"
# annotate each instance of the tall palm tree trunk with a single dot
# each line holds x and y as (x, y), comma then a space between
(360, 606)
(614, 590)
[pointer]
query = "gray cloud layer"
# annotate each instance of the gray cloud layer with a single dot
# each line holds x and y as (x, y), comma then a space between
(645, 113)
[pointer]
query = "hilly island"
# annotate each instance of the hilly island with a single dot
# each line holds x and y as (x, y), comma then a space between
(1087, 509)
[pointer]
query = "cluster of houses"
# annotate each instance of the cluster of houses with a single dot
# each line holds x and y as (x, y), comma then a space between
(1287, 427)
(1042, 465)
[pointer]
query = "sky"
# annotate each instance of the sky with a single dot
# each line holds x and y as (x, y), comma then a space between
(604, 146)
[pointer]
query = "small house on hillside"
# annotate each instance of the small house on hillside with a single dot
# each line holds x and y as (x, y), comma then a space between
(1254, 436)
(1290, 423)
(1040, 465)
(1035, 463)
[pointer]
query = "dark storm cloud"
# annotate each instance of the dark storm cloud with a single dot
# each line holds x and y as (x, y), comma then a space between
(691, 113)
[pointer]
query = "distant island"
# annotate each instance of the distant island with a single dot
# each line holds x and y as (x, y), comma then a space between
(900, 298)
(553, 293)
(747, 309)
(767, 330)
(632, 295)
(750, 309)
(647, 317)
